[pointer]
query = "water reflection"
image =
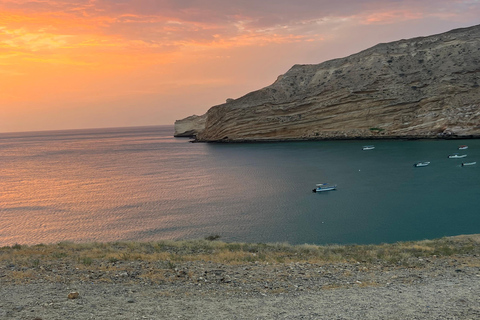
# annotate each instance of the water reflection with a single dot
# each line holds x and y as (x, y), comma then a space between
(142, 184)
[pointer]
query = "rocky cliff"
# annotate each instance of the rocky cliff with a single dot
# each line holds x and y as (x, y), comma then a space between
(422, 87)
(190, 126)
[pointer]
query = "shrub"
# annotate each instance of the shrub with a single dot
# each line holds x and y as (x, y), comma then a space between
(86, 261)
(212, 237)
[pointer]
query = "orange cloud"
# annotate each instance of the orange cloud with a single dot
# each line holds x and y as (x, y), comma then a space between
(390, 17)
(33, 42)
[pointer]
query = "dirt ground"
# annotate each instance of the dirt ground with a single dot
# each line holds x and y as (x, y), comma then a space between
(421, 287)
(446, 298)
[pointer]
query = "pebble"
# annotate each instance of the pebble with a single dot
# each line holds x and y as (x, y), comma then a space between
(73, 295)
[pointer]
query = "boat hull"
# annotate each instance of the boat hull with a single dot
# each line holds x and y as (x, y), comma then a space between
(421, 164)
(324, 189)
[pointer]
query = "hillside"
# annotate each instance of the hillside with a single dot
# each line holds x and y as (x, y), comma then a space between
(426, 87)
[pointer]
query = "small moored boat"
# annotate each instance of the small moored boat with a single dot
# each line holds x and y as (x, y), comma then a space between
(468, 163)
(462, 147)
(421, 164)
(368, 147)
(457, 156)
(324, 187)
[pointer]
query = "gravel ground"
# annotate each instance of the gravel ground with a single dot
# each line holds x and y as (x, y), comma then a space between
(437, 288)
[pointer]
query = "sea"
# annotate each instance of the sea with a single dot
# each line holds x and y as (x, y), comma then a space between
(142, 184)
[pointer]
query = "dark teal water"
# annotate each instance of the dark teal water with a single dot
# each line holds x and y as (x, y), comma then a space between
(143, 184)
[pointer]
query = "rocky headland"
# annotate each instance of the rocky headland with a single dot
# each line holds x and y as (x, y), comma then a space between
(425, 87)
(190, 126)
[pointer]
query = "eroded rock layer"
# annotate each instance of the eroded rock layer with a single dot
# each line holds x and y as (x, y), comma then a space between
(421, 87)
(190, 126)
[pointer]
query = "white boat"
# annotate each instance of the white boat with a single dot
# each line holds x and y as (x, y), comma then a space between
(324, 187)
(421, 164)
(468, 163)
(462, 147)
(368, 147)
(457, 156)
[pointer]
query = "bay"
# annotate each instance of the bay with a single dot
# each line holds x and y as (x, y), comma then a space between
(142, 184)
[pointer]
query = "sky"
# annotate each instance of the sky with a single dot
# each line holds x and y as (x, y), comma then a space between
(116, 63)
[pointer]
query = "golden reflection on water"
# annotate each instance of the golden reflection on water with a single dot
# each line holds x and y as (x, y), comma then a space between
(80, 191)
(108, 189)
(94, 209)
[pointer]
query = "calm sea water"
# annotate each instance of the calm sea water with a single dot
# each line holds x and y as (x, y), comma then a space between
(143, 184)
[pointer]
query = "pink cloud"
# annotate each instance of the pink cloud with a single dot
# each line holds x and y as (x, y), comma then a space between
(172, 22)
(390, 17)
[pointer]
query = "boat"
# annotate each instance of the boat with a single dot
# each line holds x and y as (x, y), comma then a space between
(368, 147)
(320, 187)
(457, 156)
(421, 164)
(462, 147)
(468, 163)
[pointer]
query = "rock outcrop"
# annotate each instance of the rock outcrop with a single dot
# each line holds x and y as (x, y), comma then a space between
(425, 87)
(190, 126)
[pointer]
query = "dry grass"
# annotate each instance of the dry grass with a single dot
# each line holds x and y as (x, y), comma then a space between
(167, 254)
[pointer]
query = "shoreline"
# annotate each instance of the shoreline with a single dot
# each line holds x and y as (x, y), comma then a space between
(393, 138)
(202, 279)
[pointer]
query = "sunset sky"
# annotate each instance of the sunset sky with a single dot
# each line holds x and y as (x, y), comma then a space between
(113, 63)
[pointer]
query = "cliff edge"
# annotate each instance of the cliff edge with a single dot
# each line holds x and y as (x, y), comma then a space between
(425, 87)
(190, 126)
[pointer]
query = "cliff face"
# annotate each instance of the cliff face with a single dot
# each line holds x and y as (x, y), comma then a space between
(190, 126)
(421, 87)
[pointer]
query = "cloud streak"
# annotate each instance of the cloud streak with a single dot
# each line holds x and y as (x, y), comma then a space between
(166, 24)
